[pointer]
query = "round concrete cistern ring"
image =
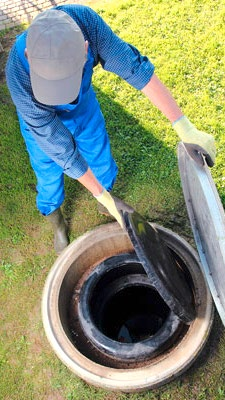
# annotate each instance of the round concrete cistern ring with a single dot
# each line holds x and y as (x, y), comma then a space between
(82, 256)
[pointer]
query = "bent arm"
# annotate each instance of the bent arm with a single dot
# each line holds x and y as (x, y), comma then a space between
(198, 141)
(160, 96)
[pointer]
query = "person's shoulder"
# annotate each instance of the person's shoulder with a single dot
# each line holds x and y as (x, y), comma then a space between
(75, 9)
(87, 19)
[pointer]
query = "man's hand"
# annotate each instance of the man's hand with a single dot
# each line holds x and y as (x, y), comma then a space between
(196, 141)
(113, 205)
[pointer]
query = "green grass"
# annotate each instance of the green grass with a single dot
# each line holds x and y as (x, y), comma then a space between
(185, 40)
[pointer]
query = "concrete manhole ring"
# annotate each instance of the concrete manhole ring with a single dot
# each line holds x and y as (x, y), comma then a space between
(73, 265)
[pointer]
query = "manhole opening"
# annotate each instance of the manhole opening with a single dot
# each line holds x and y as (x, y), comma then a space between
(129, 314)
(118, 300)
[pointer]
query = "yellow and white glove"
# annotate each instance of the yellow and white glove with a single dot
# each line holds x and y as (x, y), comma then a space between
(113, 205)
(196, 141)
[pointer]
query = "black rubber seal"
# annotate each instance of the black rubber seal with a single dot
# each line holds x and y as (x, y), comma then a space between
(121, 312)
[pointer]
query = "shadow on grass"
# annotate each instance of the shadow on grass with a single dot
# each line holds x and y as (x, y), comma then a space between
(148, 171)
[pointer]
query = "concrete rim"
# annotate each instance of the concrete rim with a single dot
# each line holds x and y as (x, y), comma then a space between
(158, 372)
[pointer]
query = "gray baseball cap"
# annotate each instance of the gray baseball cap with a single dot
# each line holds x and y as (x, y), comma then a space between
(56, 55)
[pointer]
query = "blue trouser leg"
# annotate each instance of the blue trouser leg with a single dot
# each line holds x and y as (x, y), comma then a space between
(50, 178)
(93, 143)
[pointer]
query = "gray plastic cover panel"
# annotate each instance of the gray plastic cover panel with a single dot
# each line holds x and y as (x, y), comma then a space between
(207, 220)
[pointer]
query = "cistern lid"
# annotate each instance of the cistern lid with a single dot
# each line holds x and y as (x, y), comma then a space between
(160, 265)
(207, 220)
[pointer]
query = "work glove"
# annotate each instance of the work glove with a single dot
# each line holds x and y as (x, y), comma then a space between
(114, 205)
(196, 141)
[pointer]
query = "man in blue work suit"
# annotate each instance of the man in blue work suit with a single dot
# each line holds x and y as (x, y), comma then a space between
(49, 72)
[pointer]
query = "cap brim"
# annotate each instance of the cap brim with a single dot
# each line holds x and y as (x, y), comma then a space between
(54, 92)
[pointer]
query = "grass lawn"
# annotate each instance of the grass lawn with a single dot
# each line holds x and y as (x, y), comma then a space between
(185, 40)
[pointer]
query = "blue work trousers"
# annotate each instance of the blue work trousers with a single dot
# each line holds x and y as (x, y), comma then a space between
(89, 132)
